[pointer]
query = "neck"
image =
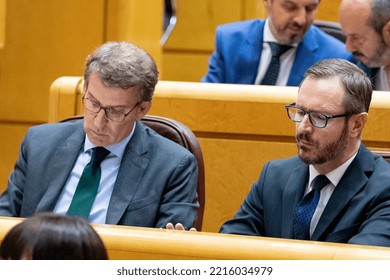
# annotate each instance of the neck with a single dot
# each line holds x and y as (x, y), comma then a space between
(334, 163)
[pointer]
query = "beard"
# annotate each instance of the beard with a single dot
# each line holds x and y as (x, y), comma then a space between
(317, 154)
(381, 55)
(284, 36)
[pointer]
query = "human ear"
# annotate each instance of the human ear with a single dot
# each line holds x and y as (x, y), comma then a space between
(143, 109)
(359, 121)
(386, 33)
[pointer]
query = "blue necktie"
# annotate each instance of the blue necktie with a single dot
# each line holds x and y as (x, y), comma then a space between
(306, 207)
(273, 69)
(88, 185)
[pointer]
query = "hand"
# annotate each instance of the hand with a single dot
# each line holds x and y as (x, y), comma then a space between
(178, 226)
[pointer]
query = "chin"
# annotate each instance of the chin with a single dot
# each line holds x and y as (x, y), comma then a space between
(304, 156)
(99, 141)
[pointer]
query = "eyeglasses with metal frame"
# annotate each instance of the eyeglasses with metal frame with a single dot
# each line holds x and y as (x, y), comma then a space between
(319, 120)
(111, 113)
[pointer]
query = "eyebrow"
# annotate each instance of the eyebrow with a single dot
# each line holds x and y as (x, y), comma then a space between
(115, 107)
(311, 111)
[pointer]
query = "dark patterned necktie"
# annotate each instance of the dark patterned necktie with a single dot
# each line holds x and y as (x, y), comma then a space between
(306, 207)
(273, 69)
(87, 187)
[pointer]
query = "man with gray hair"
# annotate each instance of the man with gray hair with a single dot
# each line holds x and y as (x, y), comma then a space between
(109, 167)
(366, 24)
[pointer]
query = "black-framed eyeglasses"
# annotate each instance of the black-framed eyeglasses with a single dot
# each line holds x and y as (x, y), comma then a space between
(111, 113)
(319, 120)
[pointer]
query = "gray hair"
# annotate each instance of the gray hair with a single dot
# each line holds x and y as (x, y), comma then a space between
(124, 65)
(380, 15)
(357, 86)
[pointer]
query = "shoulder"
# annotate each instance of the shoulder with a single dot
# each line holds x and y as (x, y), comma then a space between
(282, 163)
(241, 27)
(54, 130)
(276, 169)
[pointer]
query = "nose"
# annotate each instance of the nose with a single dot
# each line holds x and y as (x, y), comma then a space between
(100, 118)
(305, 124)
(350, 45)
(300, 17)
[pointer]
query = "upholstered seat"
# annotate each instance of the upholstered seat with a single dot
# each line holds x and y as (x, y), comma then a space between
(182, 135)
(332, 28)
(384, 153)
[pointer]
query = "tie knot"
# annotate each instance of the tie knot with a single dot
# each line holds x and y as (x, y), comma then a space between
(277, 49)
(319, 182)
(99, 154)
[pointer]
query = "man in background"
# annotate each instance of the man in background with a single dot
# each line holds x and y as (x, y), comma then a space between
(366, 24)
(244, 51)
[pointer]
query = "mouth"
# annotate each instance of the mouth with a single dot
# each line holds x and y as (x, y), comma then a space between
(296, 29)
(302, 141)
(358, 55)
(96, 134)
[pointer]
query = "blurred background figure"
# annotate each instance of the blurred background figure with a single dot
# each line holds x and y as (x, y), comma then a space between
(246, 51)
(49, 236)
(366, 24)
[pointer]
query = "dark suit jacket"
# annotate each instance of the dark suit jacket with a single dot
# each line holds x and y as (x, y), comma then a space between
(357, 212)
(238, 48)
(156, 182)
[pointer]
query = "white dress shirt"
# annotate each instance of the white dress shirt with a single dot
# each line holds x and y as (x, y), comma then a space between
(334, 177)
(381, 81)
(286, 59)
(109, 171)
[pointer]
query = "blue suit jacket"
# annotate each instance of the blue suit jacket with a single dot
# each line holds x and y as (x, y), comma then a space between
(239, 45)
(357, 212)
(156, 183)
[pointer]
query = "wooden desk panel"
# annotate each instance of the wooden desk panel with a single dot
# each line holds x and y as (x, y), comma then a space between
(128, 243)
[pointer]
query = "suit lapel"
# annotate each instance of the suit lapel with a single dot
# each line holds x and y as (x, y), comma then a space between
(60, 166)
(293, 193)
(352, 181)
(133, 166)
(250, 55)
(304, 58)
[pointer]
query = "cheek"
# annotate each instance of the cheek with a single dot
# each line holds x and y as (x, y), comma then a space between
(367, 47)
(118, 132)
(310, 17)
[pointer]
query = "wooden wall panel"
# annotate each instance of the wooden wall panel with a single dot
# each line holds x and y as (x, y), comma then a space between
(11, 135)
(43, 41)
(2, 22)
(137, 21)
(329, 10)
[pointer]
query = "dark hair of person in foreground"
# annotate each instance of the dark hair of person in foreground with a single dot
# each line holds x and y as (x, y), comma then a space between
(49, 236)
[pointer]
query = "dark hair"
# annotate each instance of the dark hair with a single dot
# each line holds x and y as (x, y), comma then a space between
(380, 15)
(357, 86)
(49, 236)
(122, 64)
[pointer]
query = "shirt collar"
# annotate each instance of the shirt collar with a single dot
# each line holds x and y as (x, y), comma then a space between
(335, 175)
